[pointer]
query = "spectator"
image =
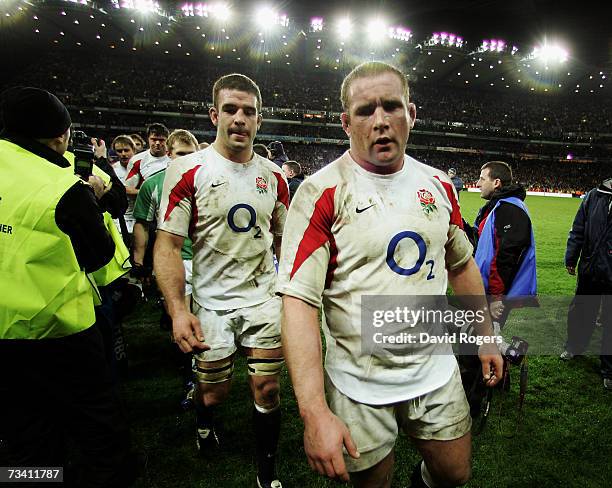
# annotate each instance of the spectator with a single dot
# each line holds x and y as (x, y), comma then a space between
(277, 153)
(262, 150)
(139, 143)
(457, 181)
(293, 172)
(589, 247)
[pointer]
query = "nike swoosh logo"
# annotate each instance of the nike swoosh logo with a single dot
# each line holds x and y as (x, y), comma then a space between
(359, 210)
(215, 185)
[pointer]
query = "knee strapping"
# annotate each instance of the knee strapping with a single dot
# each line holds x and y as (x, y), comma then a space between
(264, 366)
(221, 372)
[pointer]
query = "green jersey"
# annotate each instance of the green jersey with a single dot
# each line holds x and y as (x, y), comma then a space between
(148, 202)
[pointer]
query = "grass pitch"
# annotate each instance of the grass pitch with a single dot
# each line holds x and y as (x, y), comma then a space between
(564, 438)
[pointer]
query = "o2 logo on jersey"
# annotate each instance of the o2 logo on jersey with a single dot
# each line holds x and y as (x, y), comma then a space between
(422, 247)
(252, 220)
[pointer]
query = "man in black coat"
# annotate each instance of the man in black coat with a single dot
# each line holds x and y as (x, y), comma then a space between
(589, 246)
(293, 172)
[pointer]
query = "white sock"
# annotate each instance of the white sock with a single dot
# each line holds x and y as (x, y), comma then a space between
(426, 475)
(265, 410)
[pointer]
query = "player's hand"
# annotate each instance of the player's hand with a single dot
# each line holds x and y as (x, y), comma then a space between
(324, 436)
(571, 270)
(99, 147)
(492, 363)
(187, 332)
(496, 309)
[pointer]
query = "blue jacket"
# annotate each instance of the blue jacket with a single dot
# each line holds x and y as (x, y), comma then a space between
(590, 240)
(525, 281)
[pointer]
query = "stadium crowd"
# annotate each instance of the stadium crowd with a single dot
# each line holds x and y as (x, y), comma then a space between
(524, 115)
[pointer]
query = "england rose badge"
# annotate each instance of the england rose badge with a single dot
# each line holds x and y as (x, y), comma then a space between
(427, 200)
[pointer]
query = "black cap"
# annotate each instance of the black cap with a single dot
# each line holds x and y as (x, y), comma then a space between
(32, 112)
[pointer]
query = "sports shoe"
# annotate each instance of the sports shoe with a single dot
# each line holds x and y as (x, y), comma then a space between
(607, 383)
(207, 440)
(269, 484)
(187, 401)
(566, 356)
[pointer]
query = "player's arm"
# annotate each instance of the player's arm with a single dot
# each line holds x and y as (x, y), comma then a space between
(170, 275)
(324, 433)
(141, 238)
(130, 190)
(467, 283)
(143, 214)
(174, 217)
(278, 242)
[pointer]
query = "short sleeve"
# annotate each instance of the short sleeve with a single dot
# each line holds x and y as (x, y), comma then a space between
(308, 249)
(177, 214)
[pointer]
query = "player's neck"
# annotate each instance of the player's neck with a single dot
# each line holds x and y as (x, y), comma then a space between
(241, 157)
(379, 170)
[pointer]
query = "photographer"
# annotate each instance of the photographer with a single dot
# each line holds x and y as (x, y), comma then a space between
(54, 380)
(91, 164)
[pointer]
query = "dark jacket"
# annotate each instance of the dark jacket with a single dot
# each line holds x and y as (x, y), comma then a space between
(294, 183)
(590, 241)
(457, 183)
(512, 238)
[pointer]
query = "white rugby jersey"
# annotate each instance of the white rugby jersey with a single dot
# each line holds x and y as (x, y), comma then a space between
(128, 216)
(231, 212)
(350, 233)
(143, 165)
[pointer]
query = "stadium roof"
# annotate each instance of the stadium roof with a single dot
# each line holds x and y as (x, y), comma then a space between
(474, 43)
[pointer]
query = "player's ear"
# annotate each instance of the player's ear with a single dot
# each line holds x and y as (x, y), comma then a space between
(412, 113)
(259, 120)
(346, 123)
(214, 115)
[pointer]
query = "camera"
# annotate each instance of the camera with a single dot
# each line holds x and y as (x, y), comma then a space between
(515, 351)
(83, 154)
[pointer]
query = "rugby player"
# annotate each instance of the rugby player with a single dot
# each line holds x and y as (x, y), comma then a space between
(377, 222)
(233, 204)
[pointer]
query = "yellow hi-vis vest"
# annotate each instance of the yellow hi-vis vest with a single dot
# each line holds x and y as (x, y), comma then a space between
(120, 264)
(44, 293)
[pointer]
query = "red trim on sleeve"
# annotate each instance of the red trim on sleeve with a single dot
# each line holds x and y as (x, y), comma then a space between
(496, 284)
(455, 217)
(185, 188)
(482, 223)
(135, 170)
(318, 233)
(282, 191)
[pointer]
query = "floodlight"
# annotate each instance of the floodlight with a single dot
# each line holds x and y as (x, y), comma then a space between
(400, 33)
(550, 53)
(266, 17)
(221, 11)
(344, 28)
(375, 28)
(316, 24)
(142, 6)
